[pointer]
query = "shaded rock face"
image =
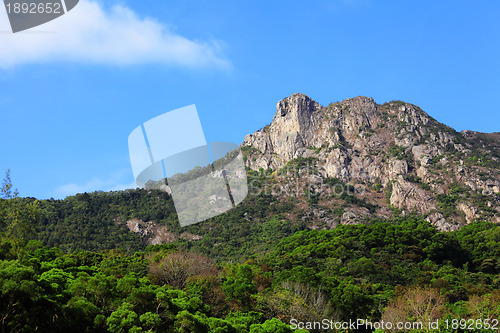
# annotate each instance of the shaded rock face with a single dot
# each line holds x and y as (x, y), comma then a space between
(396, 145)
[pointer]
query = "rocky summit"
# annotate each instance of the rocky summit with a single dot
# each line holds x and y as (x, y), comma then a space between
(398, 158)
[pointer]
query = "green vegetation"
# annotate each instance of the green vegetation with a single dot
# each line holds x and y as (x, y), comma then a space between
(347, 192)
(435, 160)
(397, 152)
(377, 187)
(253, 270)
(248, 150)
(395, 103)
(447, 203)
(360, 267)
(307, 164)
(417, 180)
(96, 221)
(44, 290)
(388, 192)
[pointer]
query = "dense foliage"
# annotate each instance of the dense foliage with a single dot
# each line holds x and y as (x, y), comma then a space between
(360, 268)
(400, 270)
(97, 221)
(42, 289)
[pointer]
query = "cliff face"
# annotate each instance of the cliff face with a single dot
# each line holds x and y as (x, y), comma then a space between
(394, 151)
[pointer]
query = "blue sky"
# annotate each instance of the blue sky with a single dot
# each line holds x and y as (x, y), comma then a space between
(72, 90)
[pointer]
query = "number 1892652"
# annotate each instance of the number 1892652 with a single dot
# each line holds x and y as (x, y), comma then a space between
(34, 8)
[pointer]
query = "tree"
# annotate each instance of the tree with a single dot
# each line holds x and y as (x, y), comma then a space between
(186, 322)
(240, 287)
(123, 319)
(19, 295)
(20, 220)
(150, 321)
(6, 190)
(175, 268)
(17, 216)
(273, 325)
(415, 304)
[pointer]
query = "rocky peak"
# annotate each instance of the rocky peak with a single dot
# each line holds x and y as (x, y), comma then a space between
(394, 145)
(297, 105)
(294, 118)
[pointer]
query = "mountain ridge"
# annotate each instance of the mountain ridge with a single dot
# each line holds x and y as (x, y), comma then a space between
(394, 146)
(313, 167)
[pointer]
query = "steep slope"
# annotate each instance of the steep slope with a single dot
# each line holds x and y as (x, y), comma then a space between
(394, 150)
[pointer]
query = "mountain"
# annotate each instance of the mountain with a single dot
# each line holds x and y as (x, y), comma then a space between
(313, 167)
(395, 155)
(370, 173)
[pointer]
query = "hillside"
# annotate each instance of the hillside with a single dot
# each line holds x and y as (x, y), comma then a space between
(313, 167)
(394, 154)
(355, 210)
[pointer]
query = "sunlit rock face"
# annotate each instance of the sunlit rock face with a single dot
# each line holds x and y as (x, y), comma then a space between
(413, 157)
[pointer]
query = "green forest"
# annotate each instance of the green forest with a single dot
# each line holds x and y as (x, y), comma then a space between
(69, 265)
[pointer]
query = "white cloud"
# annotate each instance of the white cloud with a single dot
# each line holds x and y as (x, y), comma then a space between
(90, 34)
(113, 183)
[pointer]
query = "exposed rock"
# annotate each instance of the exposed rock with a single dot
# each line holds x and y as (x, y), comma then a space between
(166, 188)
(349, 217)
(438, 220)
(410, 196)
(361, 142)
(156, 234)
(469, 211)
(396, 168)
(354, 215)
(190, 236)
(161, 236)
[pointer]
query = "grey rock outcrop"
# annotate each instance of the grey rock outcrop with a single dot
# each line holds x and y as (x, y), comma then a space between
(397, 145)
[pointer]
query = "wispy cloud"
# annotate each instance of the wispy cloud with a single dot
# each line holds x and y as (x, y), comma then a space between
(114, 182)
(91, 34)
